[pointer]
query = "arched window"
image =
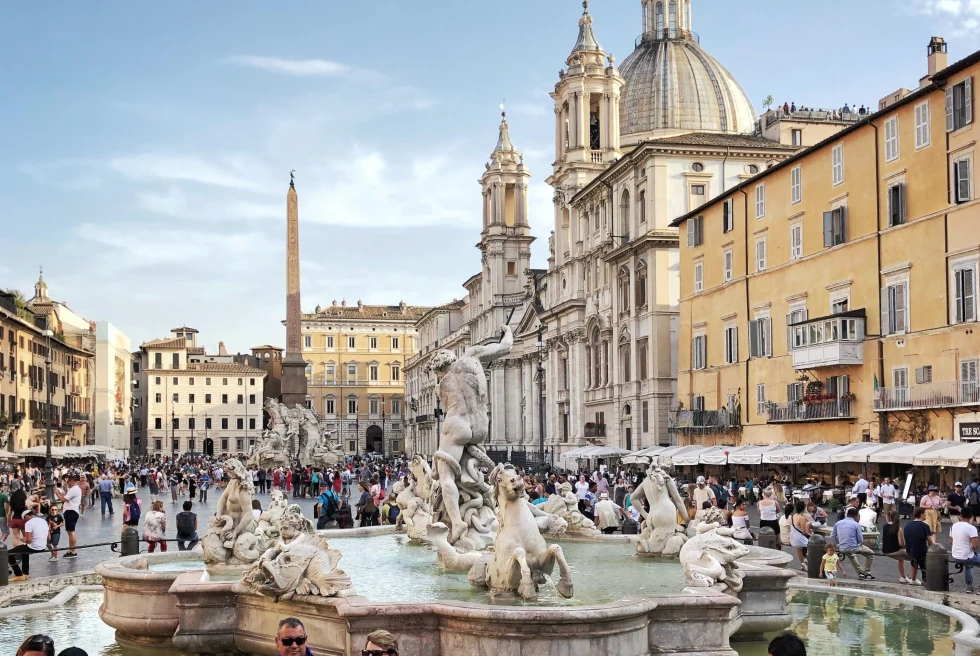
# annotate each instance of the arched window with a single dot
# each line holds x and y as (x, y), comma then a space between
(624, 289)
(673, 19)
(596, 359)
(624, 359)
(660, 19)
(624, 216)
(642, 210)
(641, 284)
(627, 410)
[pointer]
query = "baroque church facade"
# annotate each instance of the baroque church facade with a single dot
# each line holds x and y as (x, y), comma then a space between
(596, 333)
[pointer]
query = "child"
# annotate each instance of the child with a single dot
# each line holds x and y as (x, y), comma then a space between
(55, 522)
(828, 565)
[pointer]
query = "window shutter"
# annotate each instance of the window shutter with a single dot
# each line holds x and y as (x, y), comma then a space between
(968, 371)
(963, 180)
(958, 297)
(694, 353)
(842, 217)
(949, 109)
(789, 332)
(767, 337)
(969, 294)
(755, 339)
(901, 303)
(828, 228)
(690, 233)
(901, 202)
(968, 100)
(885, 328)
(734, 344)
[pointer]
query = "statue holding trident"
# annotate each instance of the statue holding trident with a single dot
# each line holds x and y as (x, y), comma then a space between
(461, 496)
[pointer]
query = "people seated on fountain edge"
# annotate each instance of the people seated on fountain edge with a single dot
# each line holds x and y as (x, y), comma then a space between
(787, 644)
(608, 514)
(291, 638)
(380, 643)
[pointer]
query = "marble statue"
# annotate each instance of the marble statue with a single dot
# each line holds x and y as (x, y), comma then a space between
(325, 454)
(293, 435)
(714, 514)
(461, 496)
(437, 536)
(521, 558)
(709, 559)
(233, 516)
(300, 563)
(251, 544)
(661, 534)
(415, 511)
(565, 506)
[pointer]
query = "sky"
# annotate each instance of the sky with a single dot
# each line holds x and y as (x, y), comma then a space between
(145, 148)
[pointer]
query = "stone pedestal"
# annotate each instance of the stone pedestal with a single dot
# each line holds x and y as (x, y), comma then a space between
(294, 387)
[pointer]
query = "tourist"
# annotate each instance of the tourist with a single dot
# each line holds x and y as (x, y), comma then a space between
(187, 537)
(828, 565)
(703, 493)
(800, 532)
(933, 504)
(256, 509)
(872, 495)
(740, 521)
(5, 516)
(55, 522)
(174, 481)
(817, 515)
(769, 512)
(852, 502)
(786, 526)
(328, 504)
(721, 494)
(861, 490)
(918, 537)
(607, 514)
(105, 494)
(18, 504)
(291, 638)
(380, 643)
(73, 505)
(155, 527)
(868, 519)
(849, 537)
(205, 484)
(154, 488)
(367, 509)
(893, 542)
(886, 492)
(972, 496)
(955, 501)
(964, 541)
(37, 645)
(581, 487)
(83, 485)
(35, 541)
(132, 507)
(787, 644)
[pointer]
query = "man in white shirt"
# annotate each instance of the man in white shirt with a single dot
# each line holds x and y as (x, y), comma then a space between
(35, 541)
(861, 489)
(607, 514)
(963, 538)
(887, 493)
(703, 493)
(73, 506)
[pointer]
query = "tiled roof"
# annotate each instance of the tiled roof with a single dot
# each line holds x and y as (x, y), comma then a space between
(722, 140)
(195, 350)
(213, 368)
(383, 312)
(166, 343)
(267, 347)
(185, 329)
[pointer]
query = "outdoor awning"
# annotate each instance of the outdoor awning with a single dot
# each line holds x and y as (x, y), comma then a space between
(652, 451)
(863, 451)
(752, 454)
(635, 459)
(903, 455)
(718, 455)
(687, 456)
(593, 452)
(795, 454)
(663, 458)
(959, 454)
(56, 451)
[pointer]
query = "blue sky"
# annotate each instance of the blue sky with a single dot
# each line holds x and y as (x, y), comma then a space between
(145, 147)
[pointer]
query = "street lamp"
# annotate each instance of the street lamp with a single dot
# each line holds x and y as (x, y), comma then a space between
(540, 345)
(48, 479)
(173, 434)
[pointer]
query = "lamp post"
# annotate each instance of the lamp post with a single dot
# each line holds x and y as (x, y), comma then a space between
(541, 401)
(173, 434)
(48, 479)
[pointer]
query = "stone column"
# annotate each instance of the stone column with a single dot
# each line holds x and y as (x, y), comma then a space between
(559, 141)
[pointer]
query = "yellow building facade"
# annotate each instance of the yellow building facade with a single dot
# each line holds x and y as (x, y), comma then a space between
(355, 357)
(833, 297)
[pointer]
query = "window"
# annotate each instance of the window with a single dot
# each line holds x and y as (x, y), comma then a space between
(968, 381)
(158, 380)
(697, 403)
(838, 306)
(728, 215)
(373, 372)
(176, 423)
(159, 397)
(224, 423)
(190, 398)
(794, 392)
(240, 423)
(837, 165)
(838, 386)
(157, 423)
(251, 398)
(374, 343)
(641, 359)
(329, 407)
(207, 398)
(329, 341)
(307, 341)
(396, 406)
(224, 398)
(796, 184)
(394, 343)
(961, 180)
(352, 373)
(965, 293)
(373, 406)
(329, 371)
(760, 201)
(959, 105)
(752, 169)
(251, 423)
(697, 167)
(645, 416)
(891, 139)
(174, 381)
(207, 381)
(796, 315)
(176, 361)
(697, 190)
(241, 381)
(797, 141)
(699, 352)
(760, 399)
(352, 406)
(175, 398)
(694, 234)
(239, 444)
(760, 338)
(922, 135)
(835, 227)
(760, 254)
(192, 423)
(224, 381)
(251, 382)
(796, 241)
(176, 445)
(729, 261)
(158, 445)
(731, 344)
(698, 277)
(396, 372)
(207, 423)
(643, 207)
(923, 375)
(894, 308)
(896, 204)
(900, 377)
(350, 343)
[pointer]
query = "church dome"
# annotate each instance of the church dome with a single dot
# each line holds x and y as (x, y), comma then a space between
(673, 85)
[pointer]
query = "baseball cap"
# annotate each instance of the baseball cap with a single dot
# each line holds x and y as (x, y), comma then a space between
(700, 480)
(958, 484)
(932, 487)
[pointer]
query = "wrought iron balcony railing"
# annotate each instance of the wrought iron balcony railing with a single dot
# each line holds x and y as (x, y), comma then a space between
(794, 411)
(930, 395)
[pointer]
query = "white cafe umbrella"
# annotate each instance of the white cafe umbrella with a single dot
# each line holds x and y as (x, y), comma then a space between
(794, 454)
(752, 454)
(960, 454)
(688, 456)
(903, 455)
(717, 455)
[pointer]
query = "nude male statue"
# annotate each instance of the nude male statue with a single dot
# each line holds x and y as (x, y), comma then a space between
(462, 389)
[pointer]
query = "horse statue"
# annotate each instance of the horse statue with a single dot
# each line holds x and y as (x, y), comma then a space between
(661, 533)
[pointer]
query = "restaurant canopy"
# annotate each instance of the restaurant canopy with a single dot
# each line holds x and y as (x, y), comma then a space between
(687, 457)
(717, 455)
(903, 455)
(795, 454)
(595, 451)
(635, 459)
(856, 452)
(752, 454)
(958, 454)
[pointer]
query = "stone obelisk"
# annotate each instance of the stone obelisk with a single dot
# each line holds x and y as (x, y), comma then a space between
(293, 366)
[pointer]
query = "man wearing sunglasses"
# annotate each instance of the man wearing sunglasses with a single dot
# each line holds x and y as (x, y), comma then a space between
(291, 638)
(380, 643)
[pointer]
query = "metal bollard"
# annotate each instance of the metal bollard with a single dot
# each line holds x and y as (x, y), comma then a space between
(130, 541)
(768, 538)
(4, 566)
(815, 550)
(937, 569)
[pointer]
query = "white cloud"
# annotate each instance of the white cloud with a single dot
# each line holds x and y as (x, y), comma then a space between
(300, 67)
(541, 108)
(960, 17)
(232, 171)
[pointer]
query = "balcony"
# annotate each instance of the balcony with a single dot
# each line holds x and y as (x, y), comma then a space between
(948, 394)
(595, 430)
(77, 417)
(830, 341)
(704, 420)
(801, 411)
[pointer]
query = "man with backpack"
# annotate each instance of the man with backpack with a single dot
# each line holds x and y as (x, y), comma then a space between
(973, 496)
(327, 505)
(721, 494)
(187, 537)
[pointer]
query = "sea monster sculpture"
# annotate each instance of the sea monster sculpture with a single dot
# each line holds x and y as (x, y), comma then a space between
(709, 559)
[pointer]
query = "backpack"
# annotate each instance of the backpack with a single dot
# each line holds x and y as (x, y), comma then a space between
(134, 512)
(973, 494)
(721, 495)
(185, 524)
(331, 508)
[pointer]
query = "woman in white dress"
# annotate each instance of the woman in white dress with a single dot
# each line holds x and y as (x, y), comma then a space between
(800, 532)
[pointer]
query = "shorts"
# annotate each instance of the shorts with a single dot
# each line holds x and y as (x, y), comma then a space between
(71, 518)
(830, 576)
(17, 523)
(4, 529)
(55, 538)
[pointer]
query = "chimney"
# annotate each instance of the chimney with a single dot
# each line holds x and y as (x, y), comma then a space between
(360, 305)
(221, 349)
(937, 59)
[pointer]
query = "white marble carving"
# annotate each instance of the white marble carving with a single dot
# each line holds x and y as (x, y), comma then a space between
(709, 559)
(661, 534)
(415, 511)
(461, 496)
(565, 506)
(294, 435)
